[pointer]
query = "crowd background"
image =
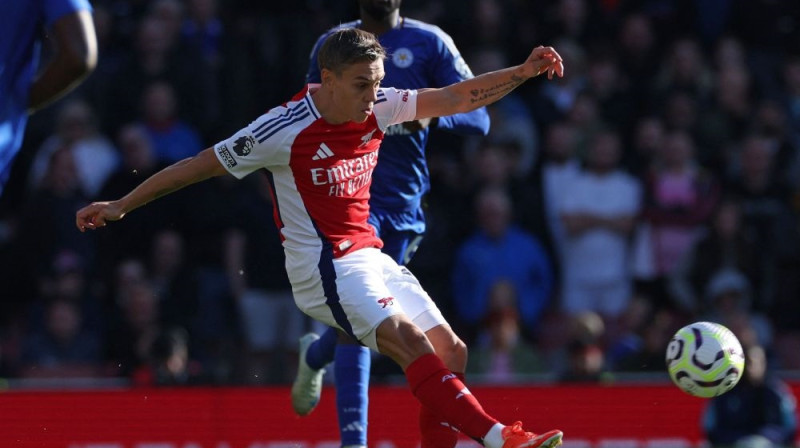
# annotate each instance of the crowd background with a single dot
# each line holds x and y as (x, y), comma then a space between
(656, 184)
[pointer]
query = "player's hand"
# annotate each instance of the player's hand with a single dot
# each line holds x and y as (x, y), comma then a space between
(418, 125)
(544, 59)
(97, 214)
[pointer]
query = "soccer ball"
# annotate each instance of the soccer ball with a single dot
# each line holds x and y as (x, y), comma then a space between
(705, 359)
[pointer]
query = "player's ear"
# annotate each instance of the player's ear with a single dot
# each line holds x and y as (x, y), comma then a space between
(326, 76)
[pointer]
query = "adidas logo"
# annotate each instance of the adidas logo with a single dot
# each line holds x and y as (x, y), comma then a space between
(353, 426)
(323, 152)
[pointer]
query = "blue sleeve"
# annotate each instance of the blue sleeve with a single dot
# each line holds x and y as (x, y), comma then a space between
(471, 123)
(55, 9)
(313, 74)
(450, 69)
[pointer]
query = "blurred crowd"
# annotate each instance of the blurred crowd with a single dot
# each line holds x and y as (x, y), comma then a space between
(656, 184)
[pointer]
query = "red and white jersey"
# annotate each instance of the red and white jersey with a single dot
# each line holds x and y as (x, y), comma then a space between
(320, 172)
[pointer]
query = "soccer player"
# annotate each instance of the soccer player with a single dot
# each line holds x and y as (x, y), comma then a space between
(22, 91)
(319, 150)
(420, 55)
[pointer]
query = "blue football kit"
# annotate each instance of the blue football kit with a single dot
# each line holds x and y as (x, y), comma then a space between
(419, 55)
(22, 22)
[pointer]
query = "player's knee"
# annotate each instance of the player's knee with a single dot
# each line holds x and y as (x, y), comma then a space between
(402, 341)
(454, 355)
(414, 339)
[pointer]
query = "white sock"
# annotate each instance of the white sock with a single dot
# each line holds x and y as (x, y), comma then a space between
(494, 438)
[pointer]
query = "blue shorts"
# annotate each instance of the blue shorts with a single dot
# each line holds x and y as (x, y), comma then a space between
(401, 232)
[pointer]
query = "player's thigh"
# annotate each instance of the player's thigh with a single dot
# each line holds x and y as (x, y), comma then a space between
(417, 304)
(364, 294)
(449, 347)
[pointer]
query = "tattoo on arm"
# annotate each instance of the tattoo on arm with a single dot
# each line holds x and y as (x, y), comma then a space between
(495, 92)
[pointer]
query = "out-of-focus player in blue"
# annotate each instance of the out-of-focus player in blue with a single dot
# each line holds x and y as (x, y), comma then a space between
(24, 87)
(419, 55)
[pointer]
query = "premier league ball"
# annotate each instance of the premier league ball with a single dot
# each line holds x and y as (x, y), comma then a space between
(705, 359)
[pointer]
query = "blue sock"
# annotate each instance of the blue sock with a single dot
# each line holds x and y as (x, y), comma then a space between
(351, 372)
(321, 352)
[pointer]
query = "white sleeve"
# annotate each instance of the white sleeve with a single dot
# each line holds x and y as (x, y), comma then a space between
(247, 150)
(395, 106)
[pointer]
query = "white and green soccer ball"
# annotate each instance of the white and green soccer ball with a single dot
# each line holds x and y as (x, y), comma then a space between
(705, 359)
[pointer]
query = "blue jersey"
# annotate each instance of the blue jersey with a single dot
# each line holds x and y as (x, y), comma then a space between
(419, 55)
(21, 22)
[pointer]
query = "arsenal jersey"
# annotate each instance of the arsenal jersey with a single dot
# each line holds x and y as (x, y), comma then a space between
(320, 173)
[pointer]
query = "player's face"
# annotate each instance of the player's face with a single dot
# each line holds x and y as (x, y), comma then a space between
(357, 89)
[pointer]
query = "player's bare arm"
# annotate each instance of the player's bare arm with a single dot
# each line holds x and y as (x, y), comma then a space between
(75, 58)
(172, 178)
(489, 87)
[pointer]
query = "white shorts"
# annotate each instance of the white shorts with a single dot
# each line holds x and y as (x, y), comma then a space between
(361, 290)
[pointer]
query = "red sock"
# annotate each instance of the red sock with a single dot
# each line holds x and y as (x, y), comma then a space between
(438, 389)
(435, 431)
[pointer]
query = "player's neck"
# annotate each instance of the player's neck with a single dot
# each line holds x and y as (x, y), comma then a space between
(380, 26)
(325, 106)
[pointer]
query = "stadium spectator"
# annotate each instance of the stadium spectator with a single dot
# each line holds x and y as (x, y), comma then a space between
(605, 82)
(724, 245)
(24, 86)
(173, 138)
(558, 170)
(48, 214)
(626, 337)
(683, 70)
(343, 244)
(169, 362)
(584, 356)
(129, 338)
(174, 279)
(637, 44)
(68, 279)
(765, 211)
(598, 212)
(585, 363)
(728, 300)
(499, 251)
(679, 198)
(648, 356)
(758, 413)
(501, 354)
(156, 57)
(645, 143)
(63, 348)
(77, 131)
(727, 118)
